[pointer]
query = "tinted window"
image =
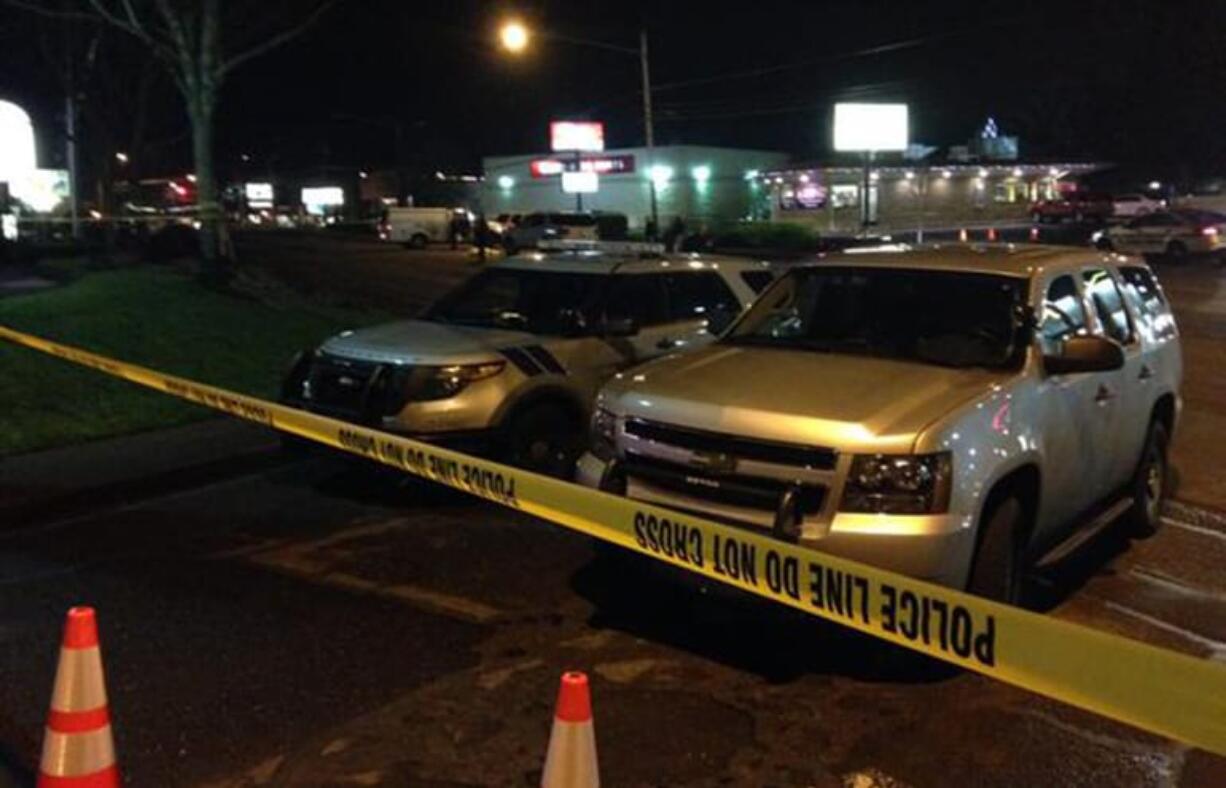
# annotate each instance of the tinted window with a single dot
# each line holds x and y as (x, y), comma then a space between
(1140, 283)
(1063, 314)
(757, 280)
(574, 220)
(639, 297)
(699, 294)
(540, 302)
(932, 317)
(1154, 220)
(1109, 305)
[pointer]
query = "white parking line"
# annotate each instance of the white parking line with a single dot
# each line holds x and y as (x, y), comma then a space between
(1217, 649)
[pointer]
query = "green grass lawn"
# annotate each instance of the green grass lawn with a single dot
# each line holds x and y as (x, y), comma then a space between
(149, 316)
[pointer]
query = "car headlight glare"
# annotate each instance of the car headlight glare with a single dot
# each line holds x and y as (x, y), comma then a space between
(423, 384)
(898, 484)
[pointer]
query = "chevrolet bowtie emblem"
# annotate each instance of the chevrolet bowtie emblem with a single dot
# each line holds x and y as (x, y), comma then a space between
(713, 462)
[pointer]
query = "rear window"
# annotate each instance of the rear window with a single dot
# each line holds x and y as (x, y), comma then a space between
(572, 220)
(1139, 282)
(757, 280)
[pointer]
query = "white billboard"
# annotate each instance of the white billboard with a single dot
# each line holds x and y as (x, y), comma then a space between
(870, 127)
(318, 199)
(582, 182)
(259, 195)
(567, 135)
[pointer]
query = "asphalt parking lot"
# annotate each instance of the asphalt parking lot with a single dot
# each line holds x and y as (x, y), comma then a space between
(318, 621)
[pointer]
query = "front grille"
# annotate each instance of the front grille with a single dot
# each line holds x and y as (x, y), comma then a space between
(751, 492)
(357, 389)
(818, 458)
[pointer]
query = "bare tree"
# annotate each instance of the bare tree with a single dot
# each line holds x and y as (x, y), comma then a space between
(200, 42)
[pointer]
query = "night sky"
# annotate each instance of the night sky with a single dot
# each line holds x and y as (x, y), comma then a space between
(1133, 81)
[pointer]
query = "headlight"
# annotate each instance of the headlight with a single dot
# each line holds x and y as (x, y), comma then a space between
(898, 484)
(423, 384)
(604, 434)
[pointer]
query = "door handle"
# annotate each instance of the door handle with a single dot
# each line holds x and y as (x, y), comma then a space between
(1103, 395)
(1146, 373)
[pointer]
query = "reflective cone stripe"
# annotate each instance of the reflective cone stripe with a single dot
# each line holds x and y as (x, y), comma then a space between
(570, 761)
(991, 233)
(962, 235)
(78, 748)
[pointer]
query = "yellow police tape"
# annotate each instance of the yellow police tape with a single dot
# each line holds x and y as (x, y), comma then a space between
(1162, 691)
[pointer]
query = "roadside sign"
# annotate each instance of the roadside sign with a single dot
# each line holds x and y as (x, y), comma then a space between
(582, 182)
(567, 135)
(870, 127)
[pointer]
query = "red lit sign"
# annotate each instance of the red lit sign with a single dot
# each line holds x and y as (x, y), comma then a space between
(601, 165)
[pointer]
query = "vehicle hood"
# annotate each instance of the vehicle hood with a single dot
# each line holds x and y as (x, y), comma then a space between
(423, 342)
(846, 402)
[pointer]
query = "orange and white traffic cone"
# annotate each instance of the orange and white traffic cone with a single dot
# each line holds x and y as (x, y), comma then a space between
(962, 235)
(571, 759)
(991, 233)
(1034, 234)
(78, 751)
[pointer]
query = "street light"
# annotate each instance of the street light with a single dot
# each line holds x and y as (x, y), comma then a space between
(514, 36)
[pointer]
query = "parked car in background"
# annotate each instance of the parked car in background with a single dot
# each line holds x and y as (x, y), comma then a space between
(951, 413)
(417, 227)
(502, 223)
(1130, 206)
(510, 361)
(1175, 235)
(532, 228)
(1074, 206)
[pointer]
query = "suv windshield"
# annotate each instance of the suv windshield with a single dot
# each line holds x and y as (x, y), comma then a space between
(948, 318)
(539, 302)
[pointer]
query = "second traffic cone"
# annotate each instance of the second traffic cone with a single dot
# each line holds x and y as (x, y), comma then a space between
(78, 751)
(571, 759)
(962, 235)
(991, 233)
(1034, 234)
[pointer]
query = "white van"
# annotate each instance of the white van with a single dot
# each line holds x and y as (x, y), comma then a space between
(417, 227)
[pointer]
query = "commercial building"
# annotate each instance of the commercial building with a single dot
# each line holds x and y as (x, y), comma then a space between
(701, 184)
(909, 195)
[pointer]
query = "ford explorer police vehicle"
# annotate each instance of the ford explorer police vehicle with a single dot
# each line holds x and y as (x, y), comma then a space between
(951, 413)
(511, 360)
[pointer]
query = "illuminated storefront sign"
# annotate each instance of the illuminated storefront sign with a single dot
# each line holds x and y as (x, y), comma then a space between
(601, 165)
(582, 182)
(259, 195)
(565, 135)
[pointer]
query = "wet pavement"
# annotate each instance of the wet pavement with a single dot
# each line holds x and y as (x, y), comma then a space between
(328, 623)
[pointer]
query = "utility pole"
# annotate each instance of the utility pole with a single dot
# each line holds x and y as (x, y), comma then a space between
(649, 130)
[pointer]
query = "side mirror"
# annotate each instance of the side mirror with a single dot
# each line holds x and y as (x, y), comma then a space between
(621, 327)
(1085, 354)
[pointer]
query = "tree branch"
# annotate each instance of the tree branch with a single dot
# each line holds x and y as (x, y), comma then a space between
(275, 41)
(34, 8)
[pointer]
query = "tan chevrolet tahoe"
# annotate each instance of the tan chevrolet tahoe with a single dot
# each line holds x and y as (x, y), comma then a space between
(953, 413)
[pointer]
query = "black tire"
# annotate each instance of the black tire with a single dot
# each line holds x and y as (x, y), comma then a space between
(544, 438)
(998, 570)
(1150, 484)
(419, 241)
(1176, 252)
(1105, 244)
